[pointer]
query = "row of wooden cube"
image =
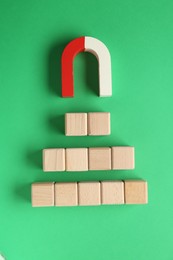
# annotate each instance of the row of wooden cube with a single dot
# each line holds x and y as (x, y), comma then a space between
(80, 124)
(89, 193)
(84, 159)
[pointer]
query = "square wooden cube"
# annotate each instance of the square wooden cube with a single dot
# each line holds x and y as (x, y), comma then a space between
(75, 124)
(112, 192)
(53, 160)
(136, 192)
(43, 194)
(99, 123)
(123, 158)
(89, 193)
(66, 194)
(77, 159)
(100, 158)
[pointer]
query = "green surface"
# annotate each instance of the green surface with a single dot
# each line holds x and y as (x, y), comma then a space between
(139, 35)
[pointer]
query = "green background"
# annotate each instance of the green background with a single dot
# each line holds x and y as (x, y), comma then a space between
(139, 35)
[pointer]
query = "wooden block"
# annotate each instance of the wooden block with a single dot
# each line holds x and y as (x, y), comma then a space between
(99, 123)
(89, 193)
(136, 192)
(76, 124)
(43, 194)
(53, 160)
(112, 192)
(100, 158)
(77, 159)
(123, 158)
(101, 52)
(66, 194)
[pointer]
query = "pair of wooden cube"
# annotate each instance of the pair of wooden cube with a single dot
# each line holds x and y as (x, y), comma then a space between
(80, 124)
(89, 193)
(84, 159)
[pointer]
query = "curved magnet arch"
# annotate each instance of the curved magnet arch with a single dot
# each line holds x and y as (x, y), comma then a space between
(97, 48)
(71, 50)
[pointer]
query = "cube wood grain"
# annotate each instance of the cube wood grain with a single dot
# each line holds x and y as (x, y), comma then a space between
(123, 158)
(76, 124)
(136, 192)
(99, 123)
(77, 159)
(43, 194)
(112, 192)
(66, 194)
(54, 160)
(100, 158)
(89, 193)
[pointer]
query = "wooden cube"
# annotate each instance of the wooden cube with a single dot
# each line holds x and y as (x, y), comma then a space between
(66, 194)
(99, 123)
(123, 158)
(112, 192)
(89, 193)
(100, 158)
(75, 124)
(43, 194)
(136, 192)
(53, 160)
(77, 159)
